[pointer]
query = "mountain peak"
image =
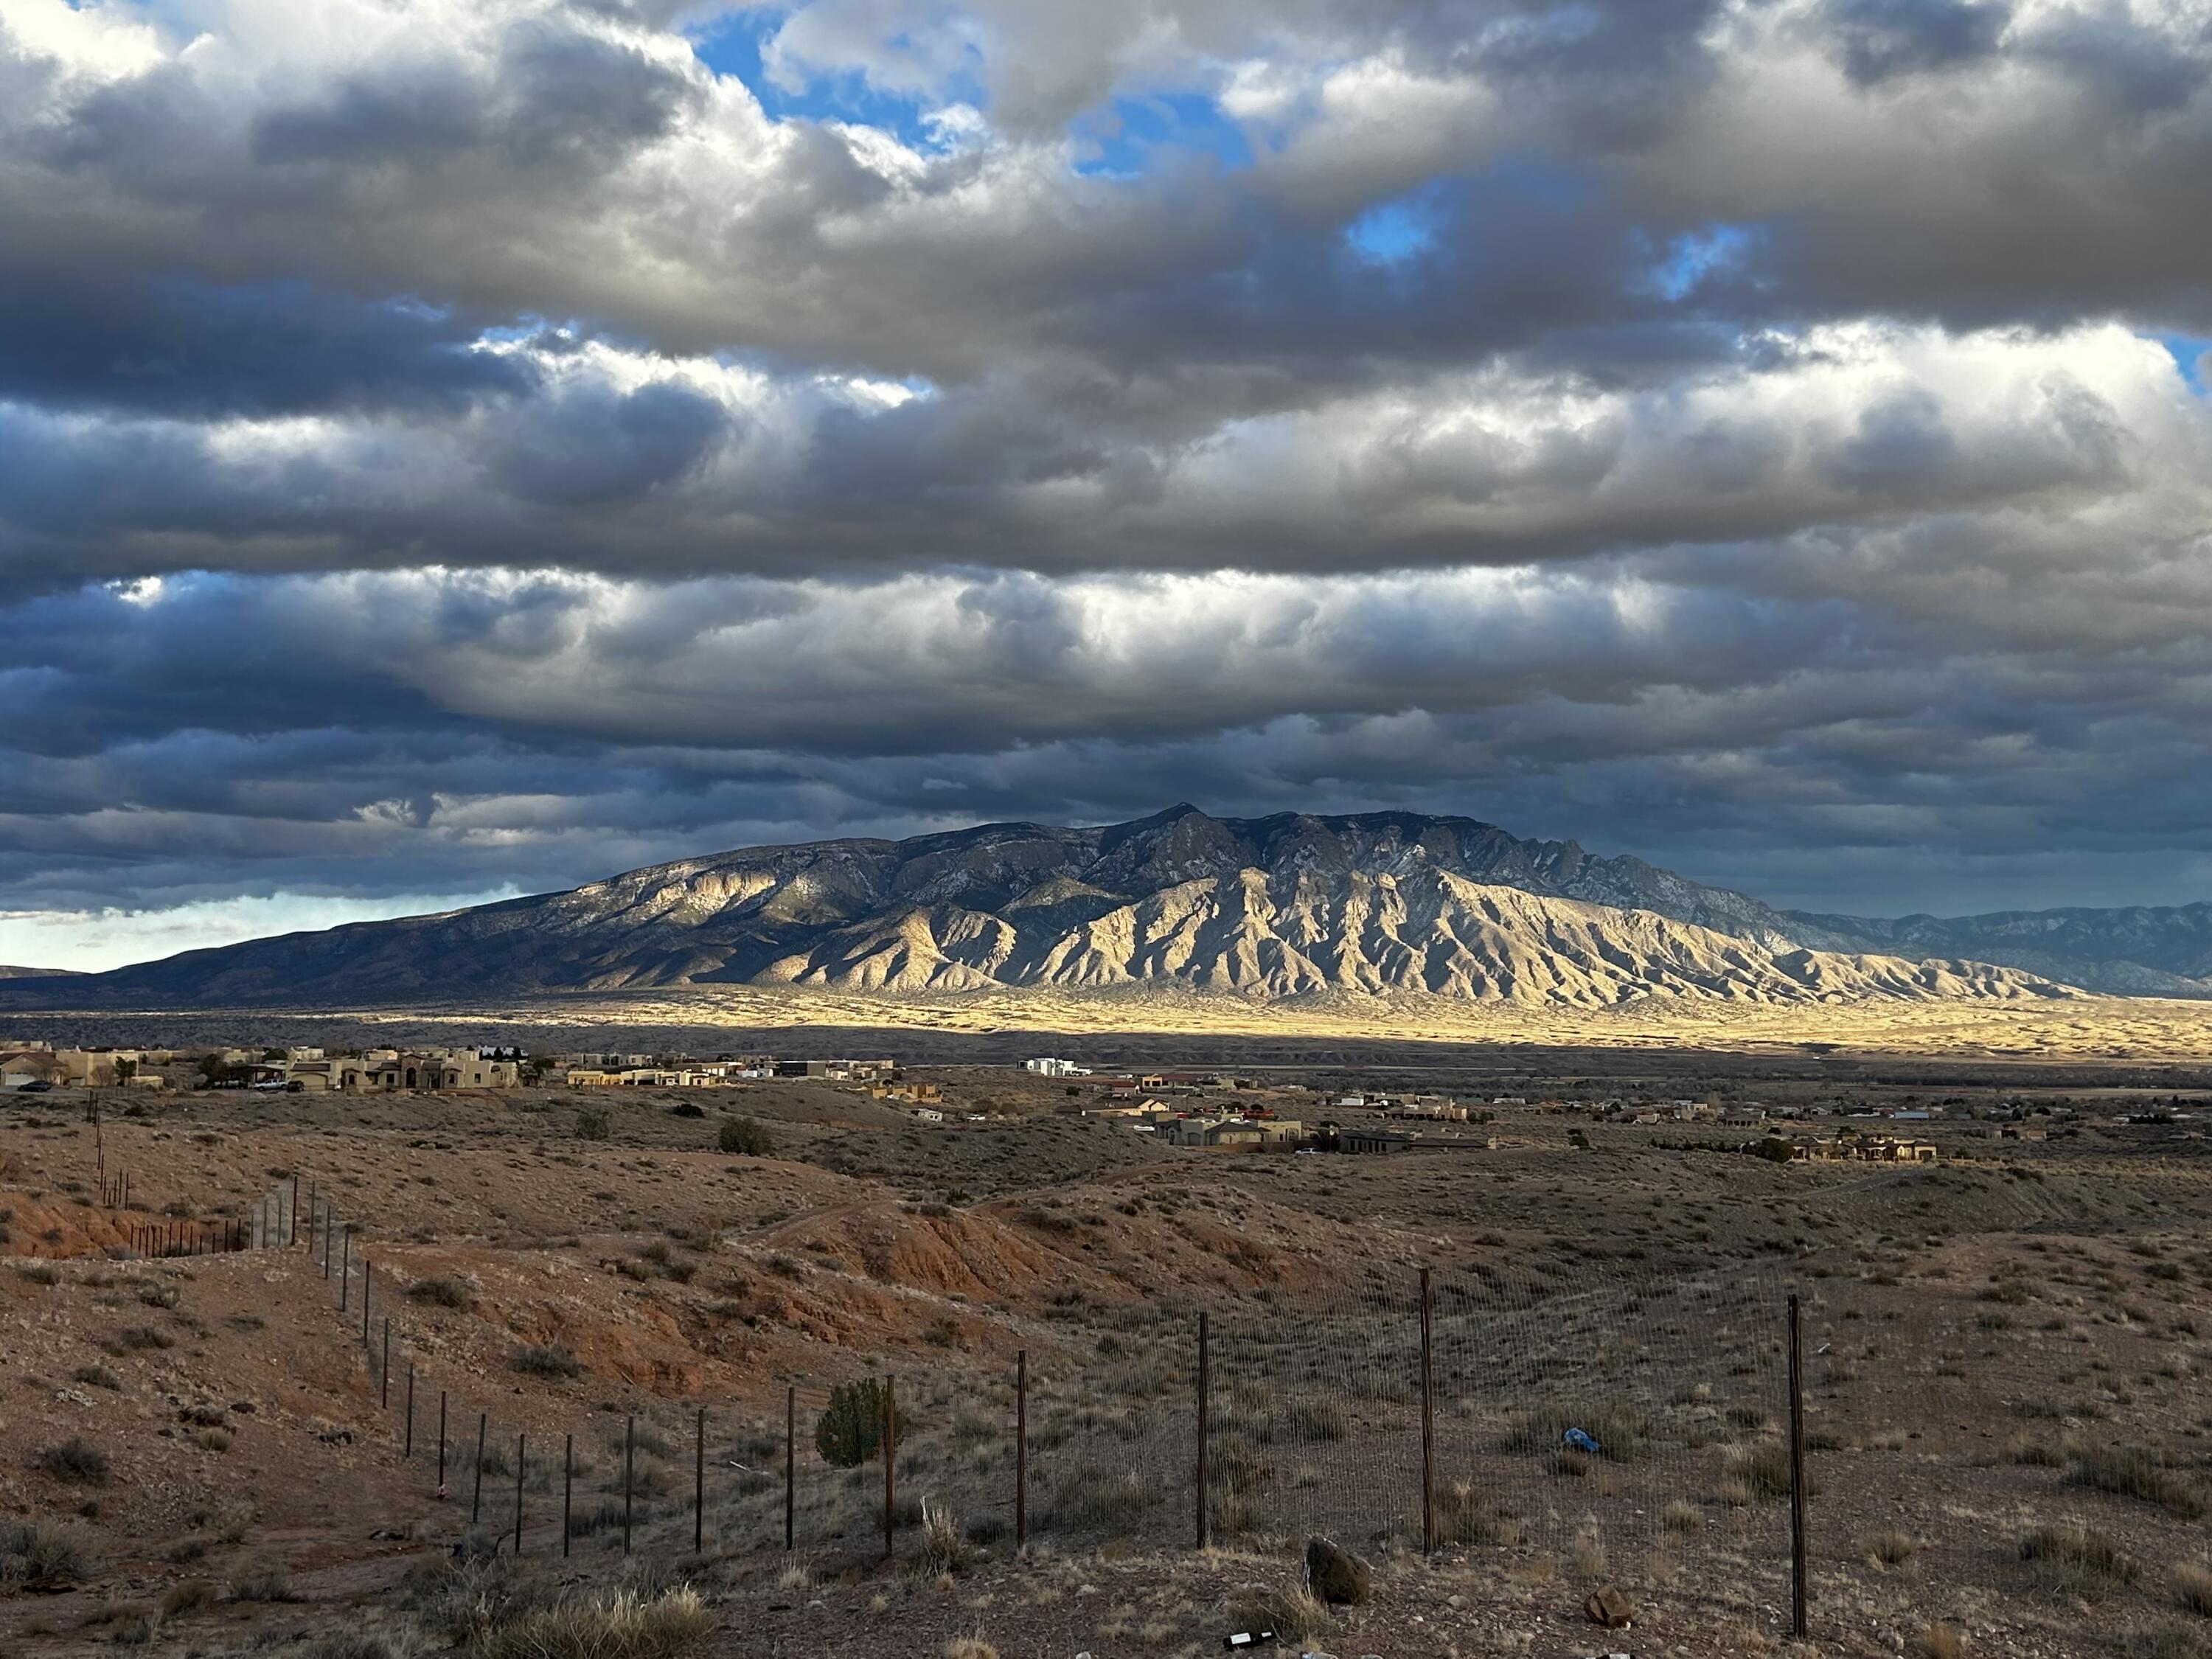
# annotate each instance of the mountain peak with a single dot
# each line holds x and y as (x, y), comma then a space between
(1292, 903)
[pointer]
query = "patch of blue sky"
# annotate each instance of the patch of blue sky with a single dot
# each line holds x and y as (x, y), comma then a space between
(734, 43)
(1127, 138)
(1694, 256)
(2189, 354)
(1393, 232)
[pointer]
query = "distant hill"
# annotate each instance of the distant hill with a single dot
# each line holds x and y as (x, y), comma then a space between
(1275, 906)
(6, 972)
(2136, 950)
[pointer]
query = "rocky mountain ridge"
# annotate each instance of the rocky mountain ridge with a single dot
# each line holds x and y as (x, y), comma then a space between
(1284, 906)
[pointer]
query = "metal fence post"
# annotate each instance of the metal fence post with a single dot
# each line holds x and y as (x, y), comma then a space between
(1022, 1449)
(384, 1372)
(409, 1452)
(1204, 1380)
(790, 1464)
(1797, 1473)
(476, 1504)
(345, 1266)
(292, 1227)
(567, 1481)
(629, 1443)
(890, 1463)
(367, 1268)
(441, 1443)
(699, 1481)
(1428, 1427)
(521, 1460)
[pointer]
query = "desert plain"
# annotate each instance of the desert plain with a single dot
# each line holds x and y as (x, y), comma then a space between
(651, 1308)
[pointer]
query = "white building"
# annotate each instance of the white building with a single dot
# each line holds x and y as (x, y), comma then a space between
(1047, 1067)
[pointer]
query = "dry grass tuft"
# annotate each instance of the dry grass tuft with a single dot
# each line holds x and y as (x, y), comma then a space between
(624, 1626)
(1588, 1559)
(1941, 1641)
(2072, 1559)
(1621, 1432)
(1762, 1468)
(2192, 1587)
(1295, 1615)
(2134, 1472)
(945, 1549)
(189, 1596)
(1466, 1517)
(970, 1647)
(1892, 1548)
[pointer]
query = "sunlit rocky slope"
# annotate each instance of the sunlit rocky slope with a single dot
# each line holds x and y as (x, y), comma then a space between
(1273, 907)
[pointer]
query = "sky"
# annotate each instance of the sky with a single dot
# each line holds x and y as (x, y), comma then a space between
(456, 448)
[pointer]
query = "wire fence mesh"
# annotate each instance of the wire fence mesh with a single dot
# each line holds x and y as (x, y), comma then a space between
(1588, 1410)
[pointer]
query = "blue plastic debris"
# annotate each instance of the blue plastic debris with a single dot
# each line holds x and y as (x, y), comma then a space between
(1579, 1441)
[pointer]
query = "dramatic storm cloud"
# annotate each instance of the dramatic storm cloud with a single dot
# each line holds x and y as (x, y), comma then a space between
(455, 447)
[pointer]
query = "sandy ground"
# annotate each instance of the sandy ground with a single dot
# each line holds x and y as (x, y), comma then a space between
(1976, 1333)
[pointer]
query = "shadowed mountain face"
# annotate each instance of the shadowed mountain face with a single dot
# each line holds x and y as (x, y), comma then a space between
(2138, 950)
(6, 972)
(1370, 903)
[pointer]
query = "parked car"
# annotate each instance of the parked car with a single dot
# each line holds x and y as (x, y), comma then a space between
(34, 1087)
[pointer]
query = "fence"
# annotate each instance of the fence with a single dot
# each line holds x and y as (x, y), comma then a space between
(1553, 1408)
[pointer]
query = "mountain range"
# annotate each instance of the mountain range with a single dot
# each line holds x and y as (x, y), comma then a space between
(1289, 905)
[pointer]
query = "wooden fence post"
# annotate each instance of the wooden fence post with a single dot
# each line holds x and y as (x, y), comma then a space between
(475, 1503)
(1428, 1427)
(1022, 1449)
(1204, 1379)
(1797, 1473)
(890, 1463)
(790, 1464)
(1203, 1412)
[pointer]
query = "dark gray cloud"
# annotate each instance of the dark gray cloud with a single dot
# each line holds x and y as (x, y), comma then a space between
(453, 447)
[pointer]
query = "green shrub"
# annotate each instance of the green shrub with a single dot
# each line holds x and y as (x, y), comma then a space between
(850, 1430)
(593, 1123)
(268, 1584)
(73, 1459)
(440, 1291)
(744, 1137)
(547, 1359)
(37, 1557)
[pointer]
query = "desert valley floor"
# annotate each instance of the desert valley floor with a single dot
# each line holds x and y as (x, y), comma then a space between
(2006, 1352)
